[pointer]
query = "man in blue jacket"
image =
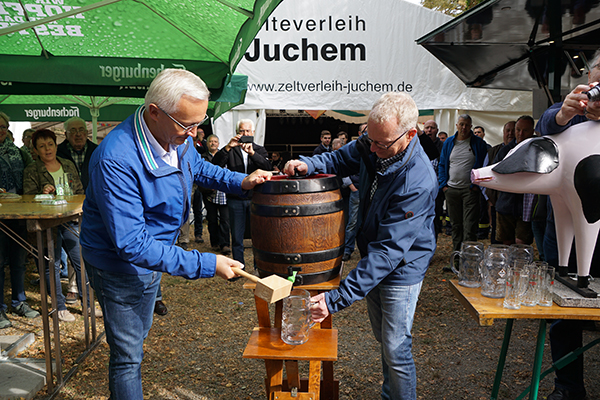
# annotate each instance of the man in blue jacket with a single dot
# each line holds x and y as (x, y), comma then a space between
(396, 237)
(138, 198)
(460, 154)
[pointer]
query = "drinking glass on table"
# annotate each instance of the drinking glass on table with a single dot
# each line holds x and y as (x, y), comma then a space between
(532, 293)
(546, 285)
(516, 280)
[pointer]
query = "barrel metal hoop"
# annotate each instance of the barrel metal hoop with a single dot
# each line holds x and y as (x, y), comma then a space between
(298, 258)
(299, 186)
(306, 279)
(305, 210)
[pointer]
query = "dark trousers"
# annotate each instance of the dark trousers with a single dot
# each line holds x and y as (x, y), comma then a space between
(197, 207)
(239, 210)
(566, 336)
(217, 216)
(439, 212)
(463, 209)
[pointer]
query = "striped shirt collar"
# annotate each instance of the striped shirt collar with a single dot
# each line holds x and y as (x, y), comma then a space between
(149, 146)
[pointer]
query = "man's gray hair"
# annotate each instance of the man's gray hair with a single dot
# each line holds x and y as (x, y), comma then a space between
(244, 121)
(213, 136)
(466, 116)
(167, 89)
(396, 105)
(337, 143)
(74, 119)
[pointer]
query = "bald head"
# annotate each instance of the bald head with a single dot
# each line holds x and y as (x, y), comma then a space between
(431, 129)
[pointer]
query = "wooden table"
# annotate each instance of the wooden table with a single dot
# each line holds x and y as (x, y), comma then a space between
(320, 350)
(41, 218)
(485, 310)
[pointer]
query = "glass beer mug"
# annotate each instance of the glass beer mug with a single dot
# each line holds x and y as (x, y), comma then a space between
(296, 320)
(494, 268)
(470, 256)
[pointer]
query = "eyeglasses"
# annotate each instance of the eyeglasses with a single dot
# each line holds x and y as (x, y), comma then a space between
(3, 128)
(384, 146)
(186, 129)
(75, 131)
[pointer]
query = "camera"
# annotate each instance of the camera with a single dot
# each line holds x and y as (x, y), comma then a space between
(594, 93)
(246, 139)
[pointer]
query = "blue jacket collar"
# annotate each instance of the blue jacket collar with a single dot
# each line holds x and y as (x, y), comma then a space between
(153, 164)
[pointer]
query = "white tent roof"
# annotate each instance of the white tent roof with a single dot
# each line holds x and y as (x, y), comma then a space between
(343, 54)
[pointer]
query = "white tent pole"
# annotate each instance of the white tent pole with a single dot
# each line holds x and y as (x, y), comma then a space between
(95, 111)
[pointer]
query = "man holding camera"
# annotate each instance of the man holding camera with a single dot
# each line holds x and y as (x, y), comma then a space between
(241, 154)
(582, 104)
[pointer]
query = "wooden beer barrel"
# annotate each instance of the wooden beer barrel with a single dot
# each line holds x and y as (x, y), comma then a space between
(298, 224)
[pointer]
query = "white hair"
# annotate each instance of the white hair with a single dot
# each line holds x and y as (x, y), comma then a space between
(396, 105)
(245, 122)
(171, 84)
(74, 119)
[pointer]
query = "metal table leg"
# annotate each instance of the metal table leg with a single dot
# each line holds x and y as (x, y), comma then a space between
(502, 358)
(537, 363)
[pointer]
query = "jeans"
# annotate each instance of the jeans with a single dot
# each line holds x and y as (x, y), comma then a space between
(16, 256)
(217, 216)
(238, 211)
(64, 269)
(463, 209)
(351, 225)
(539, 229)
(127, 303)
(69, 241)
(391, 311)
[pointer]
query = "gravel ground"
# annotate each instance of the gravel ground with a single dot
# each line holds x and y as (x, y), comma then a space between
(195, 351)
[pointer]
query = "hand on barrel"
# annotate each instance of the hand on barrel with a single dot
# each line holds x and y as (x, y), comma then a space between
(224, 265)
(256, 178)
(318, 309)
(295, 165)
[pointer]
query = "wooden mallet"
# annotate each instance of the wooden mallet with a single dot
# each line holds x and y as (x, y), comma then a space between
(270, 289)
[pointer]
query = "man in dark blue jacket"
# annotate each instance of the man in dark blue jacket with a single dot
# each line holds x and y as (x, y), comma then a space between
(396, 236)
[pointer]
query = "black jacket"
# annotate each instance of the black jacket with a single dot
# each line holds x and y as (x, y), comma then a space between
(63, 151)
(234, 161)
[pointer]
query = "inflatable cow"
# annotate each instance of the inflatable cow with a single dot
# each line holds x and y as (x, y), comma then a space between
(565, 166)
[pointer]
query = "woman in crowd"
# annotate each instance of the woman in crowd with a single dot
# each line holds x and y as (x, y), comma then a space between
(42, 177)
(11, 181)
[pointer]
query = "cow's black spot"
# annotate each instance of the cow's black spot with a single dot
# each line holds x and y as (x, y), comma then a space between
(537, 155)
(587, 184)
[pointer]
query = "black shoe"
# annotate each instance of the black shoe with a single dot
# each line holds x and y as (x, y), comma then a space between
(563, 394)
(199, 240)
(446, 269)
(183, 246)
(160, 308)
(346, 256)
(225, 250)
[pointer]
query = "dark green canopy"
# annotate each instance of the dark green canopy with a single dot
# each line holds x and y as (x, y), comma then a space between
(116, 47)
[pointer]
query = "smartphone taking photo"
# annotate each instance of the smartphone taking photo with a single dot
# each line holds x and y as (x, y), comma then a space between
(246, 139)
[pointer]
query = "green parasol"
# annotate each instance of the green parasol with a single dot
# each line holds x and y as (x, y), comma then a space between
(114, 48)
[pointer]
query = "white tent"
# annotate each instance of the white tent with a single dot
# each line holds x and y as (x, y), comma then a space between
(344, 54)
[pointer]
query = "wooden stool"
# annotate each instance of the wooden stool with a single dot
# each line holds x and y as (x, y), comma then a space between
(320, 350)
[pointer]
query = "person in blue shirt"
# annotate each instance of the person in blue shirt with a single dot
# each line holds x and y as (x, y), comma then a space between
(138, 198)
